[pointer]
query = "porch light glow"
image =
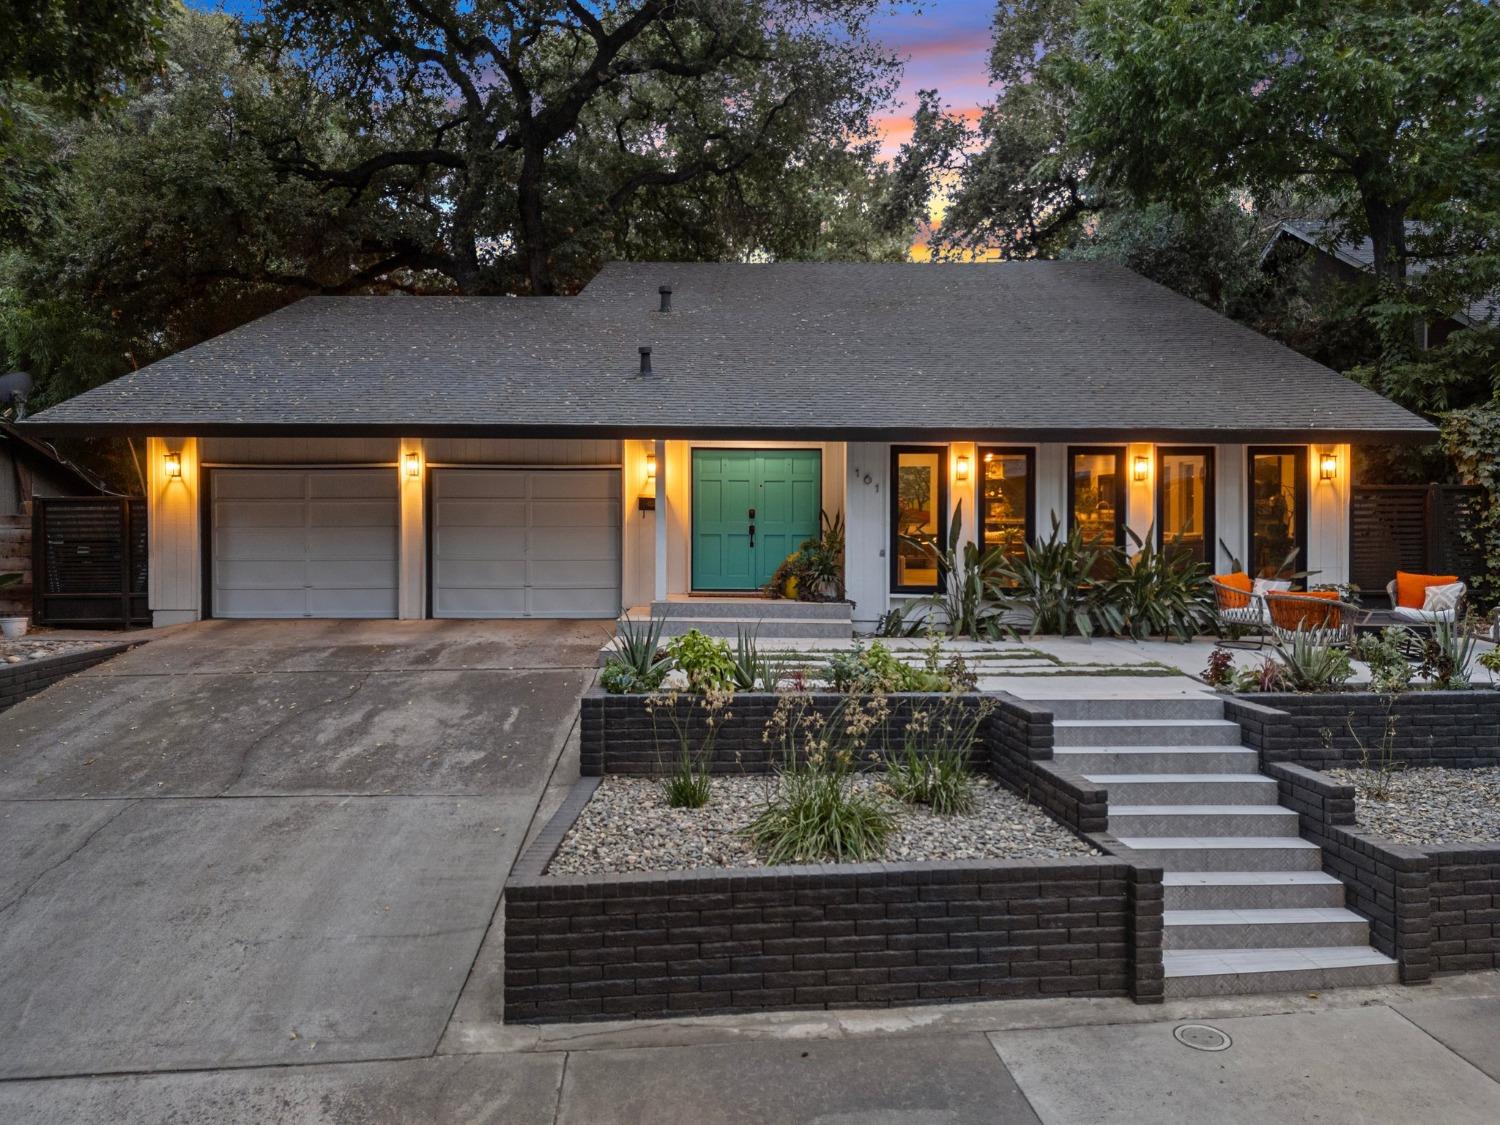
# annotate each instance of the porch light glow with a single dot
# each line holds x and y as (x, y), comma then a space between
(961, 467)
(1328, 465)
(1142, 468)
(412, 460)
(651, 466)
(173, 462)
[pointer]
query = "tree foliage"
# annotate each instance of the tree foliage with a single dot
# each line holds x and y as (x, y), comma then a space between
(77, 50)
(1472, 438)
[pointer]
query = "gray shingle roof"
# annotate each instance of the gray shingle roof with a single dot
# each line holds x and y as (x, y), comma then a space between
(1061, 350)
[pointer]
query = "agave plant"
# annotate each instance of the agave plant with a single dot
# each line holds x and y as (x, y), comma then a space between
(1309, 666)
(967, 601)
(637, 660)
(1160, 592)
(1054, 582)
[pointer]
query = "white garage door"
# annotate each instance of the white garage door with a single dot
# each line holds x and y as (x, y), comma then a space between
(525, 543)
(304, 542)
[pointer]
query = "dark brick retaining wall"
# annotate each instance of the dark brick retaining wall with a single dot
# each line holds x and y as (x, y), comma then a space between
(1433, 728)
(1018, 737)
(1434, 908)
(21, 681)
(869, 935)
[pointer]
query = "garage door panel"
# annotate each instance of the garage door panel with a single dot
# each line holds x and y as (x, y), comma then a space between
(481, 513)
(305, 543)
(260, 543)
(377, 544)
(573, 543)
(526, 543)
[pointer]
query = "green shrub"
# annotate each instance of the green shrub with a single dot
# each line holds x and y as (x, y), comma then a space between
(1158, 592)
(1309, 666)
(932, 766)
(967, 604)
(1390, 671)
(705, 661)
(1490, 662)
(1055, 582)
(1220, 670)
(1446, 655)
(815, 569)
(637, 662)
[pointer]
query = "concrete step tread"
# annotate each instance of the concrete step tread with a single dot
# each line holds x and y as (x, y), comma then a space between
(1246, 878)
(1145, 750)
(1217, 962)
(1127, 778)
(1209, 843)
(1259, 916)
(1176, 724)
(1199, 810)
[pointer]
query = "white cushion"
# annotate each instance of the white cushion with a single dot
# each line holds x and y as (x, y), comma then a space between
(1263, 586)
(1252, 614)
(1436, 599)
(1424, 616)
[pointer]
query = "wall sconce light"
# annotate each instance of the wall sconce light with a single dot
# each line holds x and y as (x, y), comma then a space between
(646, 501)
(173, 463)
(412, 461)
(1142, 468)
(1328, 465)
(961, 467)
(650, 466)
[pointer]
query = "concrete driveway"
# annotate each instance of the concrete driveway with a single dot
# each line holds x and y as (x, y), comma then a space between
(271, 842)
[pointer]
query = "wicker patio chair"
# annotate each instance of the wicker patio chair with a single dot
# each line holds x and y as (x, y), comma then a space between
(1324, 620)
(1406, 615)
(1238, 611)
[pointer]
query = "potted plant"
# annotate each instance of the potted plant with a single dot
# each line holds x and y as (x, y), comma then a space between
(12, 627)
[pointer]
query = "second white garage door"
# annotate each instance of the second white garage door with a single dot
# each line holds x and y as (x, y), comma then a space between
(525, 542)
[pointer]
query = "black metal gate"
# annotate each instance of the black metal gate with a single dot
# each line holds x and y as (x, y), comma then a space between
(89, 561)
(1419, 528)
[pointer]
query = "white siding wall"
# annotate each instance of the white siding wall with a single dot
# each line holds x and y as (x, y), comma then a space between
(1231, 511)
(867, 564)
(1328, 517)
(175, 569)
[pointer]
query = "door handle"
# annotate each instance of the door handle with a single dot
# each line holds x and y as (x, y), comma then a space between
(752, 513)
(752, 535)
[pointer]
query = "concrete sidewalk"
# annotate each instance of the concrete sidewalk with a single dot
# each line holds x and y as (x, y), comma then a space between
(1369, 1056)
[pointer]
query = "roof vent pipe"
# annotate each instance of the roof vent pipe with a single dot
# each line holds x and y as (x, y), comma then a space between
(645, 361)
(666, 298)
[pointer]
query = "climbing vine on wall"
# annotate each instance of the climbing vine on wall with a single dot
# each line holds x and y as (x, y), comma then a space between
(1472, 439)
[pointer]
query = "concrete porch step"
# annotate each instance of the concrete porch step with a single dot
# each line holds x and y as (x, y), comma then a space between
(1113, 733)
(1156, 759)
(756, 609)
(1276, 928)
(1226, 853)
(1201, 820)
(1231, 972)
(764, 628)
(1181, 707)
(1186, 788)
(1250, 890)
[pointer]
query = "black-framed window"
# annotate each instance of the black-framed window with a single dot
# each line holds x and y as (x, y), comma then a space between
(1185, 501)
(1007, 498)
(1277, 504)
(1096, 494)
(919, 511)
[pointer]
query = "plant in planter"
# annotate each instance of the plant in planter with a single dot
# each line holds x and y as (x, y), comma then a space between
(1160, 592)
(1390, 671)
(1269, 675)
(705, 661)
(968, 605)
(932, 766)
(1309, 666)
(813, 809)
(1446, 656)
(1054, 581)
(1220, 670)
(814, 572)
(637, 663)
(689, 782)
(1490, 662)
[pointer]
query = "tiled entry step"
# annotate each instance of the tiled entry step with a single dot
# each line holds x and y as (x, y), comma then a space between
(1248, 906)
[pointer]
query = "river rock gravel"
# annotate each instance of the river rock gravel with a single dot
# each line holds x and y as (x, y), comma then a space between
(627, 826)
(1429, 805)
(23, 650)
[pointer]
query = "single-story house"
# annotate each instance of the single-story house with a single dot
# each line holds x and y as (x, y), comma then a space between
(677, 428)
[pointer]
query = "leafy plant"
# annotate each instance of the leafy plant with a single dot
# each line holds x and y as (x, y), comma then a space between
(1160, 592)
(1385, 654)
(637, 662)
(1446, 655)
(1269, 675)
(1220, 670)
(1472, 438)
(878, 669)
(747, 659)
(705, 661)
(1382, 763)
(814, 809)
(966, 603)
(932, 766)
(893, 623)
(814, 572)
(689, 782)
(1490, 662)
(1054, 581)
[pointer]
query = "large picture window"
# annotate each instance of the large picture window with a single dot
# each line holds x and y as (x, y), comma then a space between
(1185, 502)
(1278, 510)
(1096, 495)
(919, 506)
(1007, 492)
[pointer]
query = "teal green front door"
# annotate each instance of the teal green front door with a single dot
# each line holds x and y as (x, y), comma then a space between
(751, 509)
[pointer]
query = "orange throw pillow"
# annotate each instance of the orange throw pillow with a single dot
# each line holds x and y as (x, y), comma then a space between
(1411, 589)
(1241, 583)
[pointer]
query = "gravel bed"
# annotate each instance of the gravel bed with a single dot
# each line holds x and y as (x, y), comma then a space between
(30, 648)
(1429, 805)
(627, 826)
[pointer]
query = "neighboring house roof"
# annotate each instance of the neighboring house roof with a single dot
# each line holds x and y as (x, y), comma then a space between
(31, 446)
(1040, 350)
(1359, 254)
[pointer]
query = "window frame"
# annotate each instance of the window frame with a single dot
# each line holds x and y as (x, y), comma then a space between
(893, 544)
(1210, 506)
(1028, 452)
(1122, 488)
(1302, 496)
